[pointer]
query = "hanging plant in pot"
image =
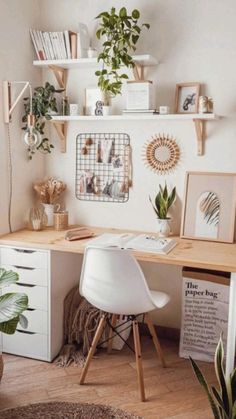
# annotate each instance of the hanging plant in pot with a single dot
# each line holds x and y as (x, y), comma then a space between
(163, 202)
(121, 32)
(11, 307)
(43, 106)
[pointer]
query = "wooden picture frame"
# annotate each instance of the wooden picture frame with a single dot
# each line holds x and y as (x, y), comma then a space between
(209, 206)
(187, 97)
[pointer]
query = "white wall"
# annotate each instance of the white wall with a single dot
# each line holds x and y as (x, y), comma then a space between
(194, 41)
(16, 17)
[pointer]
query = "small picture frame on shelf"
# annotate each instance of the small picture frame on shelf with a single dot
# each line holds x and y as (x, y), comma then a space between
(209, 206)
(93, 101)
(187, 97)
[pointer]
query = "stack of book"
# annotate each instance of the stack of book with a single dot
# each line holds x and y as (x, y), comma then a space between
(139, 111)
(59, 45)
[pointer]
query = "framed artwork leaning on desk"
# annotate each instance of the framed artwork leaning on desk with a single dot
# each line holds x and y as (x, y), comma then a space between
(209, 206)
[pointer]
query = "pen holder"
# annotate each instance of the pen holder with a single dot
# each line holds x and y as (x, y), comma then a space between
(61, 220)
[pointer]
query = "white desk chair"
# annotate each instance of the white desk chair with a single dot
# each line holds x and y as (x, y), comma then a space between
(112, 280)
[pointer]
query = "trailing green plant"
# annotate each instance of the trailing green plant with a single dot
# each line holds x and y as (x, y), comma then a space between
(43, 104)
(163, 202)
(223, 400)
(12, 304)
(122, 33)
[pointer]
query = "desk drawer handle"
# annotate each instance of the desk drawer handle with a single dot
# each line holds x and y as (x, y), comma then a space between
(30, 309)
(24, 251)
(23, 267)
(20, 284)
(24, 331)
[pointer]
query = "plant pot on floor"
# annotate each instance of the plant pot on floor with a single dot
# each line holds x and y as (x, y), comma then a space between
(163, 227)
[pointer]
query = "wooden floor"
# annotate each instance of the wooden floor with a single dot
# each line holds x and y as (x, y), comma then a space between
(172, 393)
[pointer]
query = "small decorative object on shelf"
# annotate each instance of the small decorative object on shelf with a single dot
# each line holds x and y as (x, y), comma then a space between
(48, 193)
(205, 104)
(104, 172)
(161, 154)
(163, 202)
(164, 110)
(92, 52)
(65, 106)
(140, 95)
(121, 32)
(43, 105)
(187, 97)
(74, 109)
(37, 218)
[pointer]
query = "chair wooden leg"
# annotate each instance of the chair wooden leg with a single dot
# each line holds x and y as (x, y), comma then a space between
(93, 348)
(110, 341)
(138, 359)
(155, 339)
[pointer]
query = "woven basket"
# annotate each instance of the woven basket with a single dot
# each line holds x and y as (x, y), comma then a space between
(1, 367)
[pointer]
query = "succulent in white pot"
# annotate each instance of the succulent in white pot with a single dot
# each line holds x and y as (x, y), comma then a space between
(163, 201)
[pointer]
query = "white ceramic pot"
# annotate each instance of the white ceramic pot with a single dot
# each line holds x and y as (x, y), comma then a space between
(49, 211)
(106, 110)
(163, 227)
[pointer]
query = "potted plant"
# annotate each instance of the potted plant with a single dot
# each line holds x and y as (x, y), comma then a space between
(223, 401)
(121, 32)
(11, 307)
(43, 106)
(161, 206)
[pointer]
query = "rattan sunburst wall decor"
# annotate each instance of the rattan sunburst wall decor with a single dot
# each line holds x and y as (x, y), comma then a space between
(161, 154)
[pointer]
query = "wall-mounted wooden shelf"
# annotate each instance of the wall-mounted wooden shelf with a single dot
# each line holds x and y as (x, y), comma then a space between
(60, 123)
(61, 67)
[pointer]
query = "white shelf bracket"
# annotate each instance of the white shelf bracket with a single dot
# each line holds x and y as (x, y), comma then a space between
(200, 133)
(60, 74)
(61, 128)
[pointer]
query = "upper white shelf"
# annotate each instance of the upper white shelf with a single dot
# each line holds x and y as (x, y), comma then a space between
(141, 60)
(138, 116)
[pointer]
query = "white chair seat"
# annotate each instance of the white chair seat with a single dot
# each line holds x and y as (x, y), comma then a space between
(160, 299)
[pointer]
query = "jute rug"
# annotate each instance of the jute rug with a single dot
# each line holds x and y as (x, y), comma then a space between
(65, 410)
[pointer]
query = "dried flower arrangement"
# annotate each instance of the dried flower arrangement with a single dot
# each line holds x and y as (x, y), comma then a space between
(50, 190)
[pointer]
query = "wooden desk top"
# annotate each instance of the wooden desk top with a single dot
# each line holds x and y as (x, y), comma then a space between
(191, 253)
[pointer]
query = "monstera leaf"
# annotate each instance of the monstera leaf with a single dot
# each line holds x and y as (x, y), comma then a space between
(11, 304)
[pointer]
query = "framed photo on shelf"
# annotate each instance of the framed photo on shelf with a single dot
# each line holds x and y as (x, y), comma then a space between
(93, 101)
(209, 206)
(187, 97)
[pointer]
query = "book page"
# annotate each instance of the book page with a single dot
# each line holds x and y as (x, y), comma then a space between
(148, 243)
(112, 240)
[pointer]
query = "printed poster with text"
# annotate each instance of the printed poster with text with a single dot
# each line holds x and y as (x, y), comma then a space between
(204, 318)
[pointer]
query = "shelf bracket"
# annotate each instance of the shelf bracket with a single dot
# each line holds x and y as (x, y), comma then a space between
(61, 128)
(138, 71)
(60, 74)
(200, 133)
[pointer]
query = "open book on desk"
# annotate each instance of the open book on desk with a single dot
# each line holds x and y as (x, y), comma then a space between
(141, 242)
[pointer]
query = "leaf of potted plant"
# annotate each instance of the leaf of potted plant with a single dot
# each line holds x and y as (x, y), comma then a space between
(121, 32)
(43, 106)
(163, 202)
(222, 401)
(12, 306)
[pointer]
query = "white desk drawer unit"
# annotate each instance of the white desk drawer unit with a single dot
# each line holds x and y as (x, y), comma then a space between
(29, 275)
(46, 277)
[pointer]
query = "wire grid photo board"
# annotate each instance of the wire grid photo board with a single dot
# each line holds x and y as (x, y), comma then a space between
(103, 165)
